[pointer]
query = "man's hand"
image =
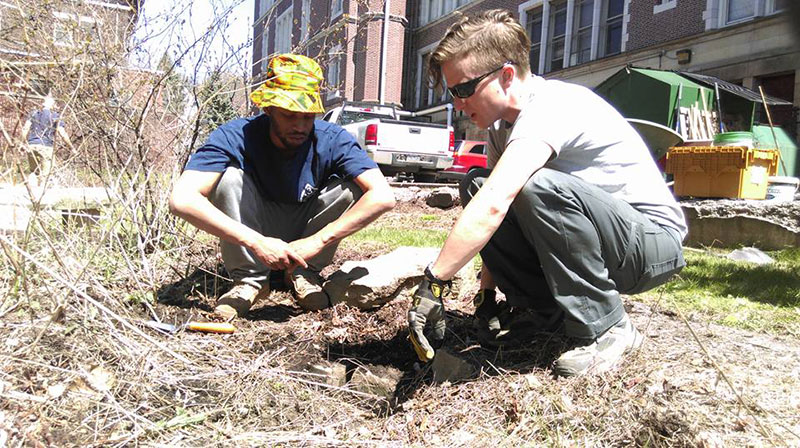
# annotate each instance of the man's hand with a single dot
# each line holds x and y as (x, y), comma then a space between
(308, 247)
(276, 254)
(427, 307)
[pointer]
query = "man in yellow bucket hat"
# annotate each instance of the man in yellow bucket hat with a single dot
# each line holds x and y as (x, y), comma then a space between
(280, 189)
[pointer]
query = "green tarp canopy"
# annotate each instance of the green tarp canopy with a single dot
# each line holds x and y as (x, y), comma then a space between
(652, 95)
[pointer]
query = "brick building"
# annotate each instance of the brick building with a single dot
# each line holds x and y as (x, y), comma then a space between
(42, 43)
(345, 36)
(747, 42)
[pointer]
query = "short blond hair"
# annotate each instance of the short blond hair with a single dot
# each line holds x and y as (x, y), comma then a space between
(491, 38)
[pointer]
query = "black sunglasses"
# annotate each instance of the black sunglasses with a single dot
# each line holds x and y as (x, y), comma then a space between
(467, 88)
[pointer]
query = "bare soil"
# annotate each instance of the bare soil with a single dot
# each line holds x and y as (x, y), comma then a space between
(691, 384)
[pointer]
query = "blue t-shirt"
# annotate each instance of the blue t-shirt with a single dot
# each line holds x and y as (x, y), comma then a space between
(43, 125)
(245, 143)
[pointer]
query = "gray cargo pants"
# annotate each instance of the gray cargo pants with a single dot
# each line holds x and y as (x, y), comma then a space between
(237, 196)
(569, 247)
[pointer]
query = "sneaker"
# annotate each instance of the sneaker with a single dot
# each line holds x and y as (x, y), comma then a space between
(603, 353)
(307, 288)
(238, 300)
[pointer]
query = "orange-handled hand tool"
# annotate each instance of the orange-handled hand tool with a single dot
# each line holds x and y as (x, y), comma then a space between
(206, 327)
(211, 327)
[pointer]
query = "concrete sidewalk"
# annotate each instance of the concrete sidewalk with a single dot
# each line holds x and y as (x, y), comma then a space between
(17, 204)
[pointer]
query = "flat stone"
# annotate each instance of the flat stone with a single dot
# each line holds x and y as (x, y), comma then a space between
(733, 223)
(60, 198)
(451, 368)
(444, 197)
(739, 231)
(376, 380)
(368, 284)
(70, 205)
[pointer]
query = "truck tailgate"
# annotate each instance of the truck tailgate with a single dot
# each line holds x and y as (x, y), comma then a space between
(421, 138)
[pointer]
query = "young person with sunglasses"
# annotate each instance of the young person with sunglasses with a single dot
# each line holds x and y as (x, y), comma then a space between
(571, 213)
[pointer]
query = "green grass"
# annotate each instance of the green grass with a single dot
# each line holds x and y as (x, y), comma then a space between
(742, 295)
(395, 237)
(736, 294)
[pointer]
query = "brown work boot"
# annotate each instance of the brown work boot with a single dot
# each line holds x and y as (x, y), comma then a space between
(239, 299)
(307, 288)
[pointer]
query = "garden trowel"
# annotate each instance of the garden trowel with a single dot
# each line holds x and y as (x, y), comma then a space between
(206, 327)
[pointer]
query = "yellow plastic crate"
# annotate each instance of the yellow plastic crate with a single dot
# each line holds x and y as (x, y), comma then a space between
(721, 171)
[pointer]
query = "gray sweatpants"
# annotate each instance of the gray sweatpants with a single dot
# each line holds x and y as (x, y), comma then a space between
(569, 247)
(237, 196)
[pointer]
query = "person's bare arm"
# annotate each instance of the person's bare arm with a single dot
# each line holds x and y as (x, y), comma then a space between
(189, 200)
(484, 213)
(64, 136)
(377, 198)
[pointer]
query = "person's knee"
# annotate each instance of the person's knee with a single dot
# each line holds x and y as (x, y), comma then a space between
(230, 182)
(351, 192)
(337, 191)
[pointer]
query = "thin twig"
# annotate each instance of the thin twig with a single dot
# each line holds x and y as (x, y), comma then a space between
(89, 299)
(764, 431)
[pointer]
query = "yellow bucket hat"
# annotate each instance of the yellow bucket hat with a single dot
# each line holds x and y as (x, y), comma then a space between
(292, 83)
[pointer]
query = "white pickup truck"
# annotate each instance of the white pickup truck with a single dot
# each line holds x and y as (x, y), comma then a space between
(412, 147)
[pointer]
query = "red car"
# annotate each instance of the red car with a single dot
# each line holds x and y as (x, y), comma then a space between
(467, 156)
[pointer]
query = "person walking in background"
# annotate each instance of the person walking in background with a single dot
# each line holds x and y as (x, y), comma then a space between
(280, 189)
(39, 133)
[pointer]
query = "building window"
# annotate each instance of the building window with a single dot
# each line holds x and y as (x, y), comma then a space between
(569, 33)
(264, 49)
(69, 28)
(779, 5)
(264, 6)
(336, 8)
(534, 28)
(556, 36)
(721, 13)
(426, 94)
(613, 27)
(431, 10)
(582, 35)
(333, 76)
(283, 32)
(740, 10)
(305, 20)
(663, 5)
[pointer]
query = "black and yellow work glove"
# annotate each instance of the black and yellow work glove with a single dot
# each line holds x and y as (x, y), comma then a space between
(427, 307)
(487, 310)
